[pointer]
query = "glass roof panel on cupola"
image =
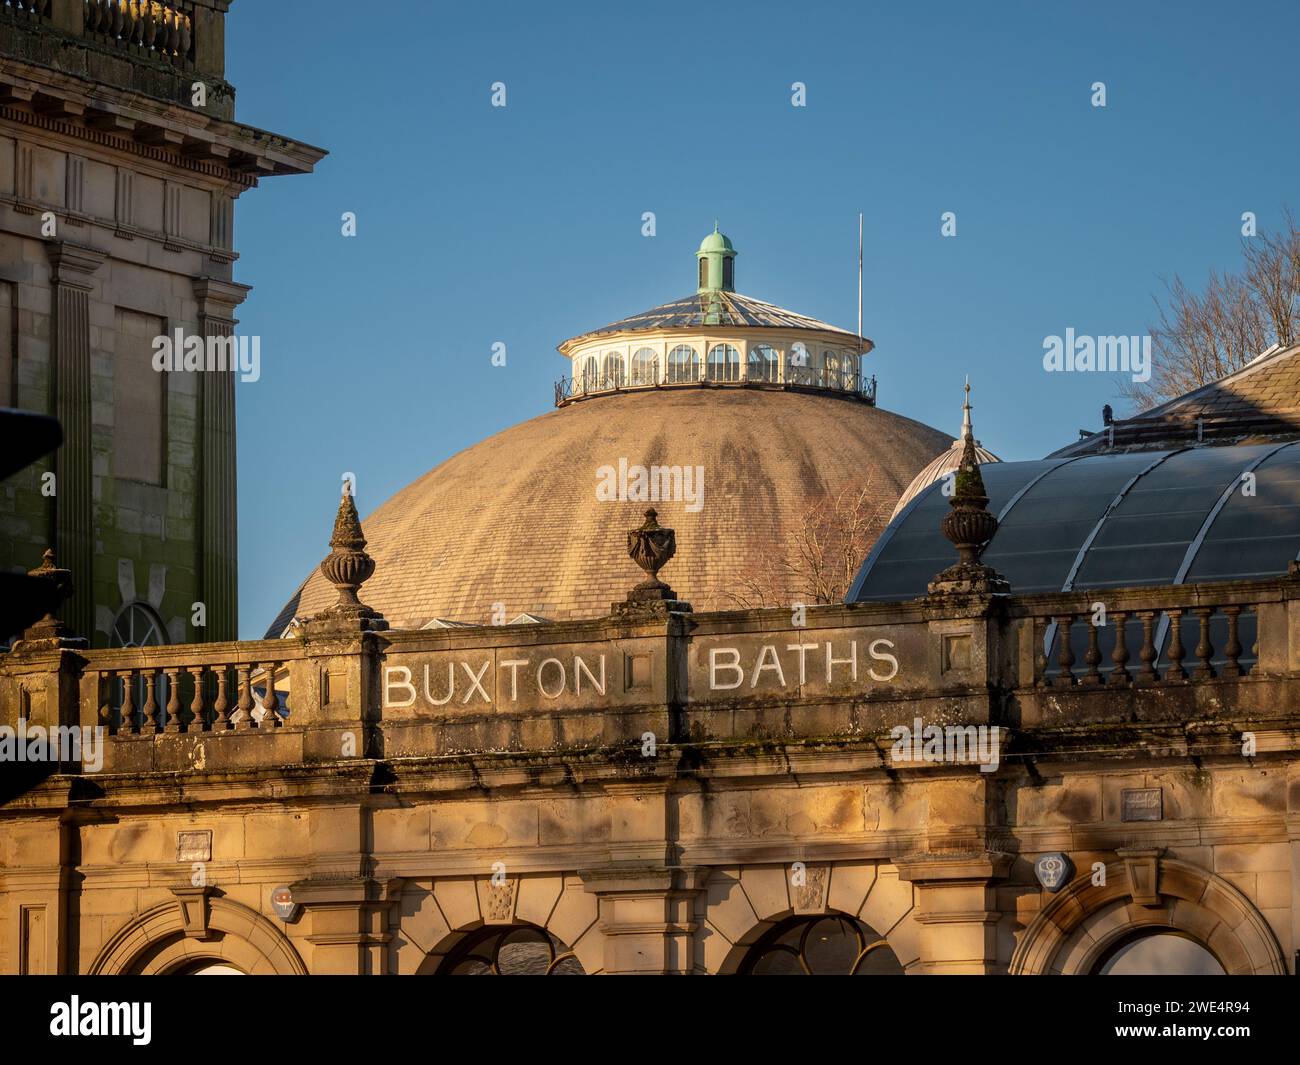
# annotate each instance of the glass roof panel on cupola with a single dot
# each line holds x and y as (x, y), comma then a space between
(717, 303)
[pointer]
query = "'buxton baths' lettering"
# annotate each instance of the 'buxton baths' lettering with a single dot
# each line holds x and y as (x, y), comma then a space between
(781, 666)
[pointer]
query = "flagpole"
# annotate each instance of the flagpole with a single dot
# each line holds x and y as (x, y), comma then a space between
(859, 288)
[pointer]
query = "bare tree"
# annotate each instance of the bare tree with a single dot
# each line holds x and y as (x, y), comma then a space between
(1200, 337)
(820, 558)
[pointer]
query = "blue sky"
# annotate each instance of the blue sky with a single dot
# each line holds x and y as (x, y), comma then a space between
(523, 224)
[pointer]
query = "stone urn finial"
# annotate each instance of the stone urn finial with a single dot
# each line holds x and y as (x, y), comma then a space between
(968, 525)
(347, 566)
(50, 627)
(651, 546)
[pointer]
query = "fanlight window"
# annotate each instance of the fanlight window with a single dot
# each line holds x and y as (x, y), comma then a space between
(724, 363)
(1160, 954)
(613, 369)
(833, 945)
(645, 367)
(138, 626)
(764, 363)
(683, 364)
(511, 950)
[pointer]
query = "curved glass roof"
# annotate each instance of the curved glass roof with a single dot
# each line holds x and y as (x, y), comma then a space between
(1103, 521)
(717, 308)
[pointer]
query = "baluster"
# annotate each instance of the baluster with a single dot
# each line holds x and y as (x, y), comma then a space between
(1092, 656)
(104, 696)
(1147, 674)
(245, 706)
(1204, 649)
(1120, 675)
(173, 722)
(1065, 656)
(197, 722)
(187, 36)
(152, 720)
(115, 22)
(1232, 649)
(1175, 672)
(128, 701)
(1040, 655)
(269, 719)
(221, 708)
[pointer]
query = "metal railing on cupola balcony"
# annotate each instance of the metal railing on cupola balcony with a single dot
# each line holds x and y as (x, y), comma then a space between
(148, 28)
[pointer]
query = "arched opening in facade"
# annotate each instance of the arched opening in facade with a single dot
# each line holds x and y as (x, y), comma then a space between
(821, 945)
(138, 625)
(510, 950)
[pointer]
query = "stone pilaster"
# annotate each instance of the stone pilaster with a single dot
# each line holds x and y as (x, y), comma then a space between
(217, 524)
(349, 924)
(71, 277)
(957, 909)
(646, 917)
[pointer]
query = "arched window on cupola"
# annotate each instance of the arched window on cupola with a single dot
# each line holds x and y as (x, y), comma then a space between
(614, 372)
(645, 367)
(683, 364)
(724, 363)
(850, 373)
(764, 363)
(830, 370)
(590, 374)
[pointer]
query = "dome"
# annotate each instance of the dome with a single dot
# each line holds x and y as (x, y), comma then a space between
(515, 520)
(715, 241)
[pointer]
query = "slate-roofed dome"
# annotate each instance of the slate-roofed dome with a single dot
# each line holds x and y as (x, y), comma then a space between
(515, 519)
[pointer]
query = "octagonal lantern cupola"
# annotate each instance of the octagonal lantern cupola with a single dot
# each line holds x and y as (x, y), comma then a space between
(717, 259)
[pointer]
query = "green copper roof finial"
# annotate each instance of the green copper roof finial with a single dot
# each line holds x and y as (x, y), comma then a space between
(716, 263)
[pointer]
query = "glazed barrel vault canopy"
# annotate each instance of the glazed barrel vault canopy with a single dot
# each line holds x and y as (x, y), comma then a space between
(516, 520)
(1176, 516)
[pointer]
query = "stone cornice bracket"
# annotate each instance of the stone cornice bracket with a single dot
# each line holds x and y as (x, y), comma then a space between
(74, 264)
(196, 909)
(955, 867)
(218, 298)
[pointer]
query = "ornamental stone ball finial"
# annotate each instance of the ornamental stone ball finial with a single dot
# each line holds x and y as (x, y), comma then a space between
(968, 525)
(652, 546)
(347, 566)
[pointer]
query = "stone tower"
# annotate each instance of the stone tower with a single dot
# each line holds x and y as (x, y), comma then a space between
(120, 164)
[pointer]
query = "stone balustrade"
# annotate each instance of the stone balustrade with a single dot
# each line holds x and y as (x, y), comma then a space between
(850, 673)
(162, 31)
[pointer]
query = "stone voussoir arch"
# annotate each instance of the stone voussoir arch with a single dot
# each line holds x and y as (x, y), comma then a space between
(159, 941)
(1085, 921)
(744, 904)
